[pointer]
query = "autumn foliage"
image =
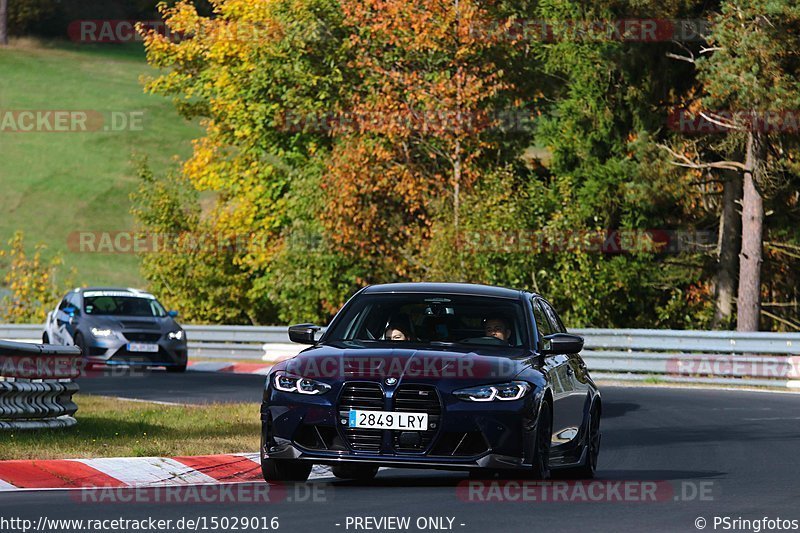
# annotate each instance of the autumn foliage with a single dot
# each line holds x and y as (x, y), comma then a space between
(360, 141)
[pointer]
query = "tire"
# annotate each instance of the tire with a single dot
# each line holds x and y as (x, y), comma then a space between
(176, 369)
(285, 470)
(358, 472)
(45, 338)
(540, 458)
(588, 468)
(282, 469)
(80, 344)
(86, 365)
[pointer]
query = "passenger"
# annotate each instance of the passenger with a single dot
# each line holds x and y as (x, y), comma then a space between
(399, 329)
(497, 328)
(395, 334)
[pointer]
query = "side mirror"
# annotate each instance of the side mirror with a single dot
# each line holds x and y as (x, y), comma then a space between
(173, 314)
(303, 333)
(561, 343)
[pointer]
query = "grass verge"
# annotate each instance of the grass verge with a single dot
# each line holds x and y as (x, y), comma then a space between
(57, 183)
(110, 427)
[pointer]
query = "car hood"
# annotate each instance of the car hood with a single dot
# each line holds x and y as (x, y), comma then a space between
(449, 367)
(121, 323)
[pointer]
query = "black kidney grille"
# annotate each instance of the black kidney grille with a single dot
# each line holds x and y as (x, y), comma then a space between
(417, 399)
(366, 396)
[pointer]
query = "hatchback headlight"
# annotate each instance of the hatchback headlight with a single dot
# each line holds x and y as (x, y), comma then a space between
(97, 332)
(286, 383)
(489, 393)
(175, 335)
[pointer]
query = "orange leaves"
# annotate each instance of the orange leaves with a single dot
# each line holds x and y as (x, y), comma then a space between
(424, 102)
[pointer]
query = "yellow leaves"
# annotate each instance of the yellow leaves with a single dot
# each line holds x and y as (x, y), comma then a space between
(32, 282)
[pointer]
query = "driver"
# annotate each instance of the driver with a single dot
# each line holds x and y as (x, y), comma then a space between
(497, 328)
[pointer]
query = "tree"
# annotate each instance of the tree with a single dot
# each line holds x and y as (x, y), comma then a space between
(33, 283)
(748, 78)
(605, 175)
(248, 73)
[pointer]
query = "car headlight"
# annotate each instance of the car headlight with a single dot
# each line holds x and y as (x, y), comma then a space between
(97, 332)
(175, 335)
(286, 383)
(489, 393)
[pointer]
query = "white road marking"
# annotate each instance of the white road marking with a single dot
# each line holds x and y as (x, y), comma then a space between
(4, 486)
(148, 471)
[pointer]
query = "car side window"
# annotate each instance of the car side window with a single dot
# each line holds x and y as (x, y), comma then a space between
(542, 324)
(64, 303)
(74, 300)
(558, 326)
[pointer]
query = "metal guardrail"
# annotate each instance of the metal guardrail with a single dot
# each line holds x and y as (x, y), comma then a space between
(717, 357)
(36, 385)
(705, 357)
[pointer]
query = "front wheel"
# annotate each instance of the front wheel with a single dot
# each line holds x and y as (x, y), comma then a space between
(540, 467)
(588, 468)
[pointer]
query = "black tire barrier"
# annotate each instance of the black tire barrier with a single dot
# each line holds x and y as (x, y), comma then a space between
(36, 386)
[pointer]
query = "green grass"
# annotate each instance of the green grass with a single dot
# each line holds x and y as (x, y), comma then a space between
(56, 183)
(109, 427)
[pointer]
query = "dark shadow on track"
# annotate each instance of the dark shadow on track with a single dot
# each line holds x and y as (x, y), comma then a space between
(616, 409)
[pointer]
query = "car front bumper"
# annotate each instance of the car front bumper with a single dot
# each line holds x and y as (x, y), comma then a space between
(469, 435)
(114, 351)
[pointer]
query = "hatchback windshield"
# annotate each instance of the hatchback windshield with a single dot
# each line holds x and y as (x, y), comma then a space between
(122, 306)
(432, 318)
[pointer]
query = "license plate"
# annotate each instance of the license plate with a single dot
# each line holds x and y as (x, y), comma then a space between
(142, 347)
(388, 420)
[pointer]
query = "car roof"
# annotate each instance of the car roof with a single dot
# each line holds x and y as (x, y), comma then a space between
(132, 292)
(470, 289)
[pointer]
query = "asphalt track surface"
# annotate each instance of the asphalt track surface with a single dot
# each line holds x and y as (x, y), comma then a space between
(719, 453)
(158, 385)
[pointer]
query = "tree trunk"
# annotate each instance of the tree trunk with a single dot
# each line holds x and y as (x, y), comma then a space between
(748, 300)
(728, 250)
(457, 206)
(3, 22)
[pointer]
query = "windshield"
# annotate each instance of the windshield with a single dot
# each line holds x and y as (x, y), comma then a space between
(123, 306)
(432, 319)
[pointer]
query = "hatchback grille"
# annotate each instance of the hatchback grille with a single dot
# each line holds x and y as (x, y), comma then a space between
(417, 399)
(367, 396)
(141, 336)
